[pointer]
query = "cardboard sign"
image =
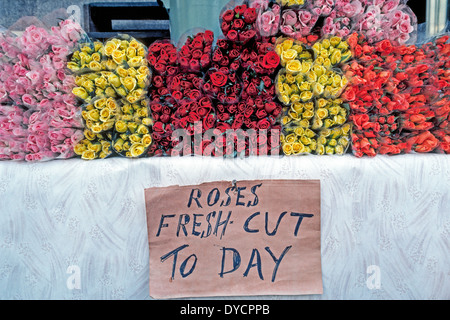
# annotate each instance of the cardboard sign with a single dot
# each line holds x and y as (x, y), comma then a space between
(224, 239)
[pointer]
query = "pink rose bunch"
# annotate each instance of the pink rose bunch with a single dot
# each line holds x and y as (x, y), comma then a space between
(297, 23)
(13, 133)
(322, 7)
(12, 148)
(386, 6)
(350, 8)
(7, 48)
(11, 121)
(390, 20)
(400, 25)
(33, 42)
(63, 141)
(370, 24)
(336, 26)
(268, 19)
(376, 19)
(38, 142)
(34, 79)
(341, 20)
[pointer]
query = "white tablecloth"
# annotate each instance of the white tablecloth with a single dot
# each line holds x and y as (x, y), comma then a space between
(387, 217)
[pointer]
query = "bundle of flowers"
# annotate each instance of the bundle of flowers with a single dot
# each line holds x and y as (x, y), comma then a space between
(131, 136)
(194, 54)
(296, 140)
(297, 23)
(163, 59)
(13, 132)
(35, 82)
(111, 83)
(334, 141)
(309, 87)
(396, 98)
(237, 21)
(269, 15)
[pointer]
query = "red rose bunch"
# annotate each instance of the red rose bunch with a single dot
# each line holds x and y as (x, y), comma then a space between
(376, 125)
(195, 54)
(255, 86)
(371, 109)
(227, 54)
(387, 125)
(442, 63)
(163, 126)
(162, 57)
(162, 107)
(265, 114)
(418, 119)
(443, 135)
(195, 118)
(364, 146)
(260, 57)
(441, 104)
(186, 86)
(442, 111)
(396, 94)
(223, 85)
(423, 142)
(367, 76)
(393, 146)
(190, 113)
(237, 24)
(254, 116)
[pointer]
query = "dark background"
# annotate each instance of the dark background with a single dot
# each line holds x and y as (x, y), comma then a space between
(10, 11)
(419, 8)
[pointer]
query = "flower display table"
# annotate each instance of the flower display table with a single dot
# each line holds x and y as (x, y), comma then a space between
(70, 217)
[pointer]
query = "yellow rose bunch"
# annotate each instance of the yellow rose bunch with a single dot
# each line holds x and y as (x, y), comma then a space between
(127, 58)
(298, 140)
(298, 114)
(303, 77)
(100, 114)
(125, 50)
(328, 83)
(94, 145)
(132, 130)
(317, 82)
(291, 3)
(334, 141)
(112, 79)
(331, 51)
(130, 83)
(293, 88)
(114, 125)
(294, 56)
(309, 86)
(92, 85)
(118, 65)
(88, 57)
(329, 113)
